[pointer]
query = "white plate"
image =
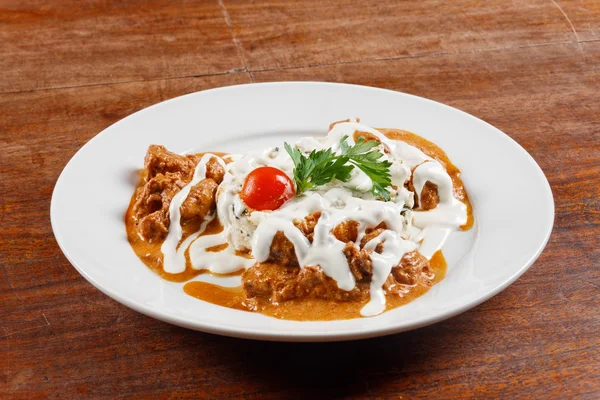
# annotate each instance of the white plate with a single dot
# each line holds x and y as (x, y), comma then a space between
(513, 203)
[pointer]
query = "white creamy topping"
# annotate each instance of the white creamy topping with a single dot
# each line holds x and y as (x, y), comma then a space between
(394, 248)
(174, 260)
(449, 214)
(338, 205)
(409, 155)
(220, 262)
(174, 255)
(338, 202)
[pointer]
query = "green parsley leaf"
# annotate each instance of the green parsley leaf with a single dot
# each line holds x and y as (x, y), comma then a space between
(323, 166)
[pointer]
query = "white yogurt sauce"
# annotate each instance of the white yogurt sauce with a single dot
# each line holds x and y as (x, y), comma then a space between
(337, 205)
(393, 250)
(174, 253)
(337, 201)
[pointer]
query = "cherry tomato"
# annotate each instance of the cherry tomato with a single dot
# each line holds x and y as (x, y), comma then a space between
(267, 188)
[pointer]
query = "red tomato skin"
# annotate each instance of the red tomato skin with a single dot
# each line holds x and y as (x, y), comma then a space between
(267, 188)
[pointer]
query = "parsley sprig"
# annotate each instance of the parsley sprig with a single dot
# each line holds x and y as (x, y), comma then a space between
(323, 166)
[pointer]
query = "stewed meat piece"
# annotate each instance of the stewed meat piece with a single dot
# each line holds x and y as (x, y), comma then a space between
(277, 283)
(281, 278)
(214, 170)
(307, 225)
(360, 262)
(166, 173)
(282, 251)
(428, 198)
(412, 266)
(347, 231)
(200, 201)
(151, 207)
(159, 160)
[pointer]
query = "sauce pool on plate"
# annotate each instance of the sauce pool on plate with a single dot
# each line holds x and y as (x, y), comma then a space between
(336, 251)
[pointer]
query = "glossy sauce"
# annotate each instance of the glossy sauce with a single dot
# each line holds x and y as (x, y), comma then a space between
(434, 151)
(301, 309)
(150, 252)
(353, 201)
(309, 309)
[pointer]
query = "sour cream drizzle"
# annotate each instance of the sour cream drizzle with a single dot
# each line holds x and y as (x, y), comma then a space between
(338, 203)
(174, 253)
(393, 249)
(326, 249)
(221, 262)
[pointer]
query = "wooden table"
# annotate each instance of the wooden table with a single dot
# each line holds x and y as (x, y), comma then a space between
(70, 68)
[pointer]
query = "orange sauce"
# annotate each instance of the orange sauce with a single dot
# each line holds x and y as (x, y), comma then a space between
(217, 248)
(309, 309)
(298, 309)
(434, 151)
(150, 253)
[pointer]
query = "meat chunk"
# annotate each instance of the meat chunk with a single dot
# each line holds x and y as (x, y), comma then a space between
(277, 283)
(307, 225)
(263, 280)
(311, 282)
(429, 198)
(166, 174)
(281, 278)
(159, 160)
(155, 226)
(214, 170)
(413, 267)
(200, 201)
(347, 231)
(360, 262)
(370, 235)
(151, 207)
(282, 251)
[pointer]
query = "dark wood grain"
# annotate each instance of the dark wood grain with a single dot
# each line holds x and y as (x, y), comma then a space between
(540, 338)
(45, 44)
(277, 34)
